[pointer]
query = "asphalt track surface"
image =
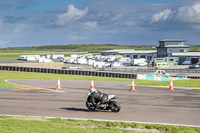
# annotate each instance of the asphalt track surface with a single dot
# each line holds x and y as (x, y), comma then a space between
(147, 104)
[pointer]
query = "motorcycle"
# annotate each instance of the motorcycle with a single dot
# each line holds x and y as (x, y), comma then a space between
(108, 105)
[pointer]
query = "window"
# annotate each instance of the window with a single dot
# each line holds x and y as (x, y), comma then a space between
(162, 44)
(135, 56)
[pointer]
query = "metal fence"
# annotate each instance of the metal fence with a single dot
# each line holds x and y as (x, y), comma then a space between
(154, 70)
(182, 71)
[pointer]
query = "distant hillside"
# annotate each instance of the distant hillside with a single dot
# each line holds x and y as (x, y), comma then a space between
(194, 47)
(91, 48)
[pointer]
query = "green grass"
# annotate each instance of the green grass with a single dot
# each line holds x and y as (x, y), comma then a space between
(4, 75)
(9, 56)
(91, 48)
(195, 48)
(181, 83)
(15, 124)
(13, 56)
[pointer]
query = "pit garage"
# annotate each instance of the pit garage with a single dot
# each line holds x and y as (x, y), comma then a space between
(194, 60)
(193, 57)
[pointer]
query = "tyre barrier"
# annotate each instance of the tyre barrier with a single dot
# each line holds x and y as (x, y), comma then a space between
(71, 72)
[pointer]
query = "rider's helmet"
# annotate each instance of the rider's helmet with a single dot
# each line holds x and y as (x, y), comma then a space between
(93, 90)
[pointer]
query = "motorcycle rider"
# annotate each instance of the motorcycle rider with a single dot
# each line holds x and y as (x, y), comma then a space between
(98, 98)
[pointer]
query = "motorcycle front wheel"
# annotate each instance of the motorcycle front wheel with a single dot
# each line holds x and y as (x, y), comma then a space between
(90, 106)
(114, 106)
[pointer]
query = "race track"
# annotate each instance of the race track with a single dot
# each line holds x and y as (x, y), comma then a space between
(147, 104)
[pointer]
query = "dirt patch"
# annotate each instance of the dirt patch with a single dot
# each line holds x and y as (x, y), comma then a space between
(140, 129)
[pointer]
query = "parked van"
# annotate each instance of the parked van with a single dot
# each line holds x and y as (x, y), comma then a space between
(161, 65)
(138, 62)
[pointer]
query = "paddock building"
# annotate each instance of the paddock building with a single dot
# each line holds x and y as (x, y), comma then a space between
(133, 54)
(166, 48)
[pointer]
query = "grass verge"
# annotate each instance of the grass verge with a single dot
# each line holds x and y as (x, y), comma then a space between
(9, 56)
(75, 48)
(14, 124)
(5, 75)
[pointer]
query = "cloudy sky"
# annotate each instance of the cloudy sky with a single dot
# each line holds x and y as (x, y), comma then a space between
(125, 22)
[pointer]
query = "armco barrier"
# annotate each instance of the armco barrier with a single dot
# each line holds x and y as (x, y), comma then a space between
(72, 72)
(154, 70)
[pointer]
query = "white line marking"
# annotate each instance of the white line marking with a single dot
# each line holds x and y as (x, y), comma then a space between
(175, 87)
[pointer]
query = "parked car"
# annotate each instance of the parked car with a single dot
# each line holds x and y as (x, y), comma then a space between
(197, 65)
(186, 62)
(161, 73)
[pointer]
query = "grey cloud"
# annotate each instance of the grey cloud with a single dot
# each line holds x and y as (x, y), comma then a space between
(90, 25)
(162, 16)
(109, 14)
(18, 4)
(189, 14)
(13, 19)
(8, 3)
(184, 17)
(101, 21)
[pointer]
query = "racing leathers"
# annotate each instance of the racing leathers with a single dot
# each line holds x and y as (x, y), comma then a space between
(98, 98)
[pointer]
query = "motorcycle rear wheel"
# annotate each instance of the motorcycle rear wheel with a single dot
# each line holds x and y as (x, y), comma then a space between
(114, 106)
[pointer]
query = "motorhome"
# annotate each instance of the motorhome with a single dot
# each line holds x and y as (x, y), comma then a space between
(138, 62)
(124, 60)
(90, 62)
(116, 64)
(44, 60)
(98, 64)
(57, 56)
(29, 57)
(81, 61)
